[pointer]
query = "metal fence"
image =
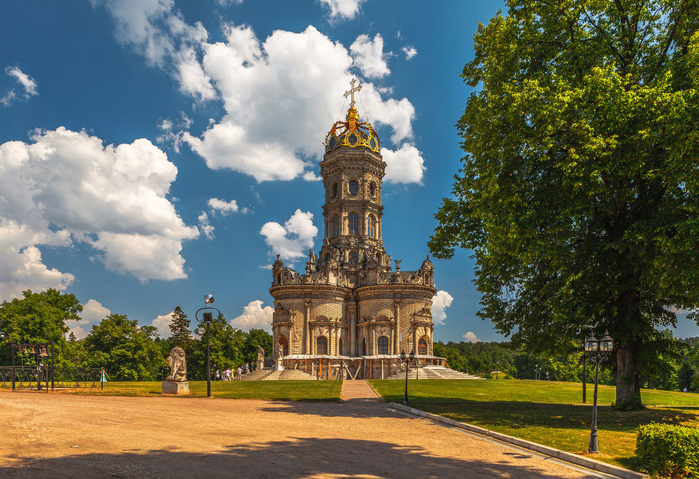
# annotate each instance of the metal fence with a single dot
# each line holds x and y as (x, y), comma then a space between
(49, 377)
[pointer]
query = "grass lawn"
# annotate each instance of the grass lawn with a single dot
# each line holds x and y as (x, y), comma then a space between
(271, 390)
(546, 412)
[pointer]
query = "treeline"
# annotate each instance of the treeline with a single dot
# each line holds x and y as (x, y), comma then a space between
(126, 350)
(669, 373)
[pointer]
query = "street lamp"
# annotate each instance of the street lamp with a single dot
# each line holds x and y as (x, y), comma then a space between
(207, 319)
(403, 358)
(598, 351)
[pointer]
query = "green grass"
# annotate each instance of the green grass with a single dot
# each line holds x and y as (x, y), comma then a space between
(269, 390)
(546, 412)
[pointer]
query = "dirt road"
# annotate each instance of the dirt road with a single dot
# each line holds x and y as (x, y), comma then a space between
(65, 436)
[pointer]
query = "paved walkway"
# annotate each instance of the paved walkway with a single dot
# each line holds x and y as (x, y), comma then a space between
(358, 389)
(65, 436)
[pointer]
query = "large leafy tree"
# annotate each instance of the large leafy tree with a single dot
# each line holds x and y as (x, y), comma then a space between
(579, 190)
(125, 350)
(37, 318)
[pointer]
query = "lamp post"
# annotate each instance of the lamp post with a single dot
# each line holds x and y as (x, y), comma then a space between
(207, 319)
(403, 358)
(598, 351)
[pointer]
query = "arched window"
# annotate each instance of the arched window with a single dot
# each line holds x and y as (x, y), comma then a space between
(339, 347)
(372, 188)
(353, 187)
(283, 346)
(371, 226)
(334, 190)
(364, 347)
(353, 257)
(353, 224)
(383, 345)
(422, 346)
(322, 345)
(336, 225)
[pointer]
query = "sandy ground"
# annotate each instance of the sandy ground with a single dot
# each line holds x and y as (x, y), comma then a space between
(65, 436)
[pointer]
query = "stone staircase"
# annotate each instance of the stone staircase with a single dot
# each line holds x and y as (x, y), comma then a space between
(434, 372)
(288, 375)
(257, 375)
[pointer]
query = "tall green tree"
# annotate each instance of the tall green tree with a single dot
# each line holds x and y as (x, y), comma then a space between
(125, 350)
(37, 318)
(180, 335)
(579, 190)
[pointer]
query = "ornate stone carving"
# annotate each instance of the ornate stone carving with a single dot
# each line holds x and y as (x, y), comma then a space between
(178, 365)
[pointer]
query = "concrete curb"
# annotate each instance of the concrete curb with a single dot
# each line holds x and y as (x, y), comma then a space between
(549, 451)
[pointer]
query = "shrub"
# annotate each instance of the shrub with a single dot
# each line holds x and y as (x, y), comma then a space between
(668, 451)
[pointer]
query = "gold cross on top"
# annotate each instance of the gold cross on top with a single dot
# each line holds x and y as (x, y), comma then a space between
(352, 90)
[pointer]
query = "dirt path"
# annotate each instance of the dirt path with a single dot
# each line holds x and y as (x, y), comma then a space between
(62, 436)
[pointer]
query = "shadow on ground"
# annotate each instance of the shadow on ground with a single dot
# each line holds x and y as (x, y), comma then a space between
(297, 458)
(352, 408)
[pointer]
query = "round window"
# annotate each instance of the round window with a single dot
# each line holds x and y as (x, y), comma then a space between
(353, 187)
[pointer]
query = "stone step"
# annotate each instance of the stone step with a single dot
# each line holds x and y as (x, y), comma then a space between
(288, 375)
(434, 373)
(257, 375)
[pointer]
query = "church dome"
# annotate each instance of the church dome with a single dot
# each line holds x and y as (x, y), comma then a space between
(352, 133)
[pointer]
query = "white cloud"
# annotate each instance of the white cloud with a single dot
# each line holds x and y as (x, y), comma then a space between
(290, 84)
(471, 337)
(410, 52)
(369, 56)
(345, 9)
(441, 301)
(162, 324)
(405, 165)
(66, 187)
(254, 316)
(223, 207)
(27, 83)
(292, 240)
(93, 313)
(171, 137)
(205, 226)
(224, 3)
(154, 29)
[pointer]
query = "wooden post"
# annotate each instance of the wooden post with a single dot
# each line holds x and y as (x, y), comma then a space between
(305, 364)
(371, 369)
(320, 362)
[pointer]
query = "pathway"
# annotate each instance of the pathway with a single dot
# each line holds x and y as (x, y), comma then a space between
(66, 436)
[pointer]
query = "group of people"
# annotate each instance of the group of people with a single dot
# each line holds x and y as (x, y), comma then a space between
(229, 374)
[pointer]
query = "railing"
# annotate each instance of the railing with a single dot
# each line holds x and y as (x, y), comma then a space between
(31, 377)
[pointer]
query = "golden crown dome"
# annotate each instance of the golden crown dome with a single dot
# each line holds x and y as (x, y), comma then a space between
(352, 133)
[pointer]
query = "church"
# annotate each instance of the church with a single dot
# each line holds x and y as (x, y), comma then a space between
(351, 314)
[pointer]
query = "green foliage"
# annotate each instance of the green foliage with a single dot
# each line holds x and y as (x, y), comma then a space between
(125, 350)
(253, 339)
(668, 451)
(180, 335)
(226, 345)
(685, 376)
(37, 318)
(579, 190)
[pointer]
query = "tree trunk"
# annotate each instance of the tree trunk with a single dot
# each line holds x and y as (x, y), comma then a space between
(628, 380)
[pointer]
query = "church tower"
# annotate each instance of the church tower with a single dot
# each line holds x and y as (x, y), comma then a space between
(350, 308)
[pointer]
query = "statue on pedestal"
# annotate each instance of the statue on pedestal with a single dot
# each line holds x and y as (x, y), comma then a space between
(176, 382)
(260, 358)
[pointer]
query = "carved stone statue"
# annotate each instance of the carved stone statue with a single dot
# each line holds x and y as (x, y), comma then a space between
(312, 256)
(178, 365)
(397, 261)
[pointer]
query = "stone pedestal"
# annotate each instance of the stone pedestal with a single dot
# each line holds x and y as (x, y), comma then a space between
(280, 364)
(177, 388)
(260, 364)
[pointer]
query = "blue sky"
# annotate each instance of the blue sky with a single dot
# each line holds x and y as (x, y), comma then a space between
(152, 151)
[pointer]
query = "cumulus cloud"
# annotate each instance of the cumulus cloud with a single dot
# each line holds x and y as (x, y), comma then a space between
(254, 316)
(342, 9)
(162, 324)
(156, 30)
(292, 240)
(471, 337)
(441, 301)
(205, 226)
(65, 187)
(288, 84)
(410, 52)
(369, 56)
(222, 206)
(93, 313)
(26, 82)
(404, 165)
(171, 131)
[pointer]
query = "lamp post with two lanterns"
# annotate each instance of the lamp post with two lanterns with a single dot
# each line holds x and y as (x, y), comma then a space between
(598, 351)
(406, 360)
(207, 319)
